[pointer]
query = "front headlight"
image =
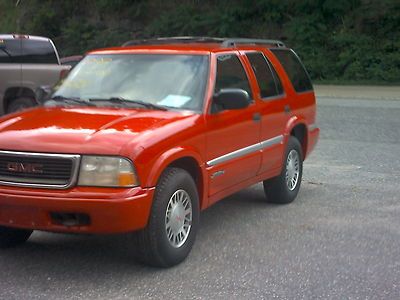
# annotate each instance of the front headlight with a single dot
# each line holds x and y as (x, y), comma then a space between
(106, 171)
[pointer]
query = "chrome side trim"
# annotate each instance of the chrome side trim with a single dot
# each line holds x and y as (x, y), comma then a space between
(218, 173)
(74, 172)
(247, 150)
(268, 143)
(311, 127)
(234, 154)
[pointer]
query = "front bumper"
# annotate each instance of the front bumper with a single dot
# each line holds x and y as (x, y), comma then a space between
(110, 210)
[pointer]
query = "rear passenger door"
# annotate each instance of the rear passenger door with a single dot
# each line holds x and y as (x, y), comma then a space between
(232, 135)
(273, 108)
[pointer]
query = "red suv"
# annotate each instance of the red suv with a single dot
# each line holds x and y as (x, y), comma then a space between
(141, 138)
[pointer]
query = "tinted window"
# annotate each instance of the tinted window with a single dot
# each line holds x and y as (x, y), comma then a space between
(294, 69)
(264, 75)
(278, 81)
(230, 74)
(38, 52)
(10, 51)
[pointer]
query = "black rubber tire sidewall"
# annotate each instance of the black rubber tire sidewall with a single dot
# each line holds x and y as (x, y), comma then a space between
(185, 182)
(276, 189)
(11, 237)
(157, 251)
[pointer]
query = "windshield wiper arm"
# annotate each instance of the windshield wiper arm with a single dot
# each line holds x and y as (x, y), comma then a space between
(121, 100)
(72, 99)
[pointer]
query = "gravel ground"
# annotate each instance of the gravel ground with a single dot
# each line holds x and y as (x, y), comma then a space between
(340, 239)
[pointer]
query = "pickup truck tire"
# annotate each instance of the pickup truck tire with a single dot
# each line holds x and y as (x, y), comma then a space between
(284, 188)
(173, 223)
(20, 104)
(11, 237)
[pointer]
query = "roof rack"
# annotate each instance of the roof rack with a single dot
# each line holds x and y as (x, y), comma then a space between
(234, 41)
(225, 42)
(174, 40)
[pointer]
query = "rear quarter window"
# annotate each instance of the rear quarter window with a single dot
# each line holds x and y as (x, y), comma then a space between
(294, 69)
(38, 52)
(10, 50)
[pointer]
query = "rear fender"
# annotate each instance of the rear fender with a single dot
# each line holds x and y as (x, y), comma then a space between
(292, 123)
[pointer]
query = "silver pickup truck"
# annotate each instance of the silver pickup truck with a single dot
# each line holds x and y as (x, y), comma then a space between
(26, 62)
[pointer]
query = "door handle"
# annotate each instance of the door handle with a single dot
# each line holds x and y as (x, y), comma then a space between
(287, 109)
(257, 117)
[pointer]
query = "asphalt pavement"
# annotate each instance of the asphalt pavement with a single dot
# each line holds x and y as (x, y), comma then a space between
(340, 239)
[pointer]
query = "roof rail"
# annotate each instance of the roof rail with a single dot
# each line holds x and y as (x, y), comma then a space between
(234, 41)
(225, 42)
(174, 40)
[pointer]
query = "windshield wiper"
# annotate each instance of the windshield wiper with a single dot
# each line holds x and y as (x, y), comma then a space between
(72, 99)
(123, 101)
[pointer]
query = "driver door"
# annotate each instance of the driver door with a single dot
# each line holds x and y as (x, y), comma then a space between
(232, 138)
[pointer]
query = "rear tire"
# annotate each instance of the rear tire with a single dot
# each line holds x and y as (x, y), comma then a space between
(19, 104)
(173, 223)
(284, 188)
(11, 237)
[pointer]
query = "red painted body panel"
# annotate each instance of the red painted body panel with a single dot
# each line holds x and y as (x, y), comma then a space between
(110, 210)
(226, 132)
(81, 130)
(152, 139)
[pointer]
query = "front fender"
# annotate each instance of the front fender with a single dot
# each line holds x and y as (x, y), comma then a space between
(168, 157)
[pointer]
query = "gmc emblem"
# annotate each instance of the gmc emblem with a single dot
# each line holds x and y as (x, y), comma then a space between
(17, 167)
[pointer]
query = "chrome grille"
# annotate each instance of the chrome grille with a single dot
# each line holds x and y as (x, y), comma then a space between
(39, 170)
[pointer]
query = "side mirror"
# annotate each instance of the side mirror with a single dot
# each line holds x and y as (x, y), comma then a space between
(232, 99)
(43, 93)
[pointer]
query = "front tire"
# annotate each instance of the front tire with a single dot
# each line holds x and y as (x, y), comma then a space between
(11, 237)
(173, 223)
(284, 188)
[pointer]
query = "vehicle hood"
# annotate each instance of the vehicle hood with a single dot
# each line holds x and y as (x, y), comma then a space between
(79, 130)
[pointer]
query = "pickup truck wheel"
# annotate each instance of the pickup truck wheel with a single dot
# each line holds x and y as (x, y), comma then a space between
(284, 188)
(171, 231)
(11, 237)
(20, 104)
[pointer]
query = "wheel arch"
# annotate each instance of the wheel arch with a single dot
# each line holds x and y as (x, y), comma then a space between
(13, 93)
(184, 159)
(297, 127)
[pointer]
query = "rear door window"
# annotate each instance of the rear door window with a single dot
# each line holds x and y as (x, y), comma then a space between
(268, 82)
(278, 81)
(38, 52)
(230, 74)
(294, 69)
(10, 50)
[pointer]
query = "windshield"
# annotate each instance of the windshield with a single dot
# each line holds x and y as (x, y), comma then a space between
(176, 81)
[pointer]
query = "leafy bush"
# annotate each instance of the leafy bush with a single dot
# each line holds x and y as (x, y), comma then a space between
(338, 40)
